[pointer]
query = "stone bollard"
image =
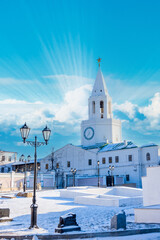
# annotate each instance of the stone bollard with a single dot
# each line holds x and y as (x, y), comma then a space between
(67, 223)
(119, 221)
(4, 215)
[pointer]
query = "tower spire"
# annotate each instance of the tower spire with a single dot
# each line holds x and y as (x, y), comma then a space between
(99, 60)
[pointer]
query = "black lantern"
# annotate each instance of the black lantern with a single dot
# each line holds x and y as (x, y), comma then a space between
(46, 134)
(24, 132)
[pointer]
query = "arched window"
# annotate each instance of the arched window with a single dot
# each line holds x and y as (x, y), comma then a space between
(148, 156)
(101, 108)
(93, 107)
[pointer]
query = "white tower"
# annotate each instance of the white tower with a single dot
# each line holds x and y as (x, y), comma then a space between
(100, 127)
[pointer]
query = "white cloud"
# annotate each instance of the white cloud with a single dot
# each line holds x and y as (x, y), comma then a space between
(128, 108)
(145, 119)
(71, 111)
(152, 111)
(75, 106)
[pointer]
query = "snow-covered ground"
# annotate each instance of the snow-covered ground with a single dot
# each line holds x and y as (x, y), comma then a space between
(51, 207)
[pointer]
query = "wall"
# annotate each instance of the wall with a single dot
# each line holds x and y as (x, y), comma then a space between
(11, 181)
(151, 189)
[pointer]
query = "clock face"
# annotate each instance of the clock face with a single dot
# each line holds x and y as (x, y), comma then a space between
(89, 133)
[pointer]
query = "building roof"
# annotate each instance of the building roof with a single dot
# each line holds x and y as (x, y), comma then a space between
(105, 147)
(149, 145)
(23, 163)
(97, 145)
(99, 88)
(117, 146)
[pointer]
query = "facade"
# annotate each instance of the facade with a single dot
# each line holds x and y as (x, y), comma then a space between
(102, 158)
(6, 161)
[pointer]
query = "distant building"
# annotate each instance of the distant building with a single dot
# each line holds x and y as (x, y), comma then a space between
(120, 162)
(6, 160)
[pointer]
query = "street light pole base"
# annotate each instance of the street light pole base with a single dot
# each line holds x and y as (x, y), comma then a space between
(34, 216)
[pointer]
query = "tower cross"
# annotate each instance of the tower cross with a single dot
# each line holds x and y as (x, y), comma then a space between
(99, 60)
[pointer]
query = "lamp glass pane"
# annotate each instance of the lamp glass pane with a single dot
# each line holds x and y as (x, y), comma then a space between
(46, 133)
(24, 131)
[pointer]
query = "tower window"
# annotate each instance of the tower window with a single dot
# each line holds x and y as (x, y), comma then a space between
(93, 107)
(148, 156)
(110, 159)
(101, 107)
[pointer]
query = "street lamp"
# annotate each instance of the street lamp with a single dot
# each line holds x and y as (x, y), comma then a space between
(98, 174)
(73, 171)
(46, 134)
(111, 168)
(25, 183)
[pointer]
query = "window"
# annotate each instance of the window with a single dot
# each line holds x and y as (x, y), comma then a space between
(116, 159)
(93, 107)
(89, 161)
(148, 156)
(130, 158)
(101, 108)
(110, 159)
(103, 160)
(9, 158)
(47, 166)
(68, 163)
(57, 165)
(3, 158)
(127, 177)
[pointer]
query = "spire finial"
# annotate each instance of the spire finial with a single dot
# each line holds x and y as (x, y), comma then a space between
(99, 60)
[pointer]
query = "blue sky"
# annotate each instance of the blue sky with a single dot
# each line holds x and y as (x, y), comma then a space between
(48, 52)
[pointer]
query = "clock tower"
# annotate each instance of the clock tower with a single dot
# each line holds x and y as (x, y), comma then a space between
(100, 128)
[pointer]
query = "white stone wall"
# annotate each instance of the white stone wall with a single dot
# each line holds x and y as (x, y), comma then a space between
(151, 189)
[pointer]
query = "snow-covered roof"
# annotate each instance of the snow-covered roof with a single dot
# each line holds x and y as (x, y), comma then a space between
(149, 145)
(97, 145)
(22, 163)
(117, 146)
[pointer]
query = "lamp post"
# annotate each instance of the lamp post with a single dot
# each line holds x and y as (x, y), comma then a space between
(46, 134)
(25, 182)
(57, 172)
(73, 171)
(111, 168)
(98, 173)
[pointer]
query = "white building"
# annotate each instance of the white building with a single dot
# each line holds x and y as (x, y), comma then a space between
(6, 160)
(101, 142)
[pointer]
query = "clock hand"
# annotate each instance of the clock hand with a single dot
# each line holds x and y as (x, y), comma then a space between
(88, 134)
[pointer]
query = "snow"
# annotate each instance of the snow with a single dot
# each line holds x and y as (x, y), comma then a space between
(51, 207)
